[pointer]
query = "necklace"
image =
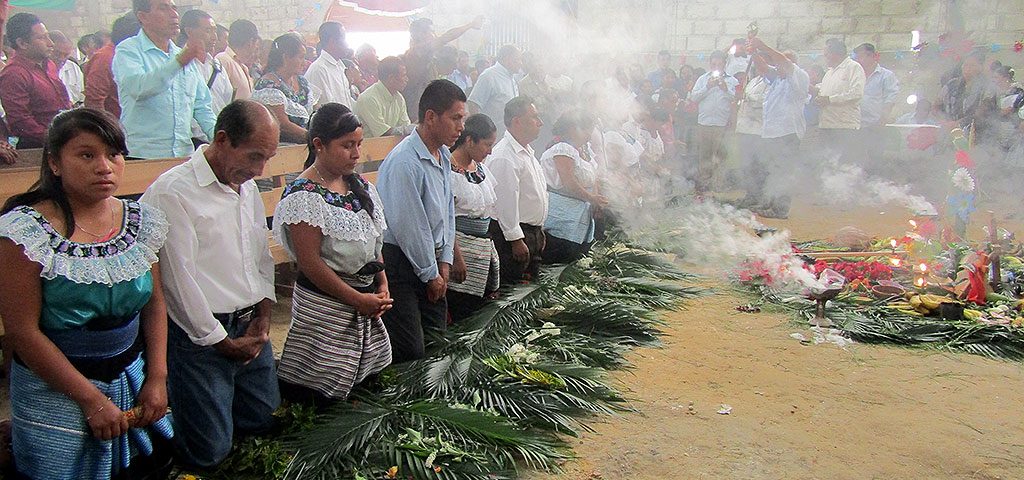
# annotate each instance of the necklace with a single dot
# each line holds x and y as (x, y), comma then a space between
(322, 179)
(113, 221)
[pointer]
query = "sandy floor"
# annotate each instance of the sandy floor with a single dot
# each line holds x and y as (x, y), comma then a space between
(863, 412)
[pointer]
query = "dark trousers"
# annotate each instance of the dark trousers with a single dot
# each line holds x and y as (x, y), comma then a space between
(752, 161)
(559, 250)
(412, 315)
(213, 397)
(513, 272)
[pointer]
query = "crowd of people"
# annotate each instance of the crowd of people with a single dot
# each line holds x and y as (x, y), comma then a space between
(116, 309)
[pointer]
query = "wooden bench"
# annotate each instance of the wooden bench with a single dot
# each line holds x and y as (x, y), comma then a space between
(139, 174)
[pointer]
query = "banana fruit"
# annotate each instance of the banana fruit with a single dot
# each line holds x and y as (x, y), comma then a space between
(924, 304)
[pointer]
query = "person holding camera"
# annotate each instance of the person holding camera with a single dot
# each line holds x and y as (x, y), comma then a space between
(714, 93)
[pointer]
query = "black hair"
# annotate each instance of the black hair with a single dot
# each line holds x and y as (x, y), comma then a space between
(439, 96)
(836, 46)
(447, 57)
(236, 120)
(87, 40)
(719, 55)
(222, 29)
(141, 6)
(285, 46)
(866, 47)
(328, 33)
(478, 127)
(125, 27)
(389, 67)
(64, 127)
(19, 27)
(516, 107)
(241, 33)
(190, 19)
(421, 25)
(1004, 71)
(331, 122)
(567, 122)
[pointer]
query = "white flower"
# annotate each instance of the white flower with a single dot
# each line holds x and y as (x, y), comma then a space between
(962, 180)
(585, 263)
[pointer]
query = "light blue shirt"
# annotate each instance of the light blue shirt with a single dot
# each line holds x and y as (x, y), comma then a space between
(493, 89)
(714, 105)
(880, 89)
(784, 101)
(159, 99)
(417, 194)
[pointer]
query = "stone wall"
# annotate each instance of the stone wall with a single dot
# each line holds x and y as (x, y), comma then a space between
(693, 26)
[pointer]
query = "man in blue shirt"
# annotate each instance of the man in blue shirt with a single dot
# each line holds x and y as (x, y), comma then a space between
(880, 90)
(160, 85)
(783, 124)
(714, 92)
(419, 244)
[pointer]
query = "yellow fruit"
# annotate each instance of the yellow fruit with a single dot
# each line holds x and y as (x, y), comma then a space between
(932, 301)
(972, 314)
(915, 301)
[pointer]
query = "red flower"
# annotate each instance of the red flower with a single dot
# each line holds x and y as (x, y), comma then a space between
(963, 159)
(1018, 46)
(926, 228)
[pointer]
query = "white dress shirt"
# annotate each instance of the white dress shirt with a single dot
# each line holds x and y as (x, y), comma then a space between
(880, 91)
(749, 119)
(784, 102)
(493, 89)
(216, 258)
(844, 87)
(714, 105)
(74, 81)
(520, 186)
(221, 91)
(328, 74)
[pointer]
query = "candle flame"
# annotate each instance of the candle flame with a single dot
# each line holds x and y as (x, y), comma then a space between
(913, 224)
(895, 262)
(920, 282)
(893, 243)
(923, 267)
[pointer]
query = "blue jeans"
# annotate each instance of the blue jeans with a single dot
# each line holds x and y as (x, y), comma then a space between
(212, 396)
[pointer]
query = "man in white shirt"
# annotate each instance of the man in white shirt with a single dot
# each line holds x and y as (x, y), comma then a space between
(522, 203)
(68, 71)
(839, 95)
(496, 86)
(242, 53)
(327, 72)
(218, 281)
(199, 24)
(714, 93)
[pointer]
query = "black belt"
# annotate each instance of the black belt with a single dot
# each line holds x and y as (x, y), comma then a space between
(304, 281)
(242, 314)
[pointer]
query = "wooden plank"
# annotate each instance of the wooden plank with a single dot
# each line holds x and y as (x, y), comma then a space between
(371, 177)
(289, 159)
(139, 174)
(375, 149)
(16, 180)
(31, 157)
(270, 200)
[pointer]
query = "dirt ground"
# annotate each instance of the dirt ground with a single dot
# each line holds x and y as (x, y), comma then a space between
(804, 412)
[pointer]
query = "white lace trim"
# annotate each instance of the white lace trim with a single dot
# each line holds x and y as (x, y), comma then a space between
(335, 222)
(134, 262)
(273, 97)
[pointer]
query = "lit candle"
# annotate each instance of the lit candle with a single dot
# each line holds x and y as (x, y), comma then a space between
(895, 261)
(923, 267)
(920, 282)
(913, 224)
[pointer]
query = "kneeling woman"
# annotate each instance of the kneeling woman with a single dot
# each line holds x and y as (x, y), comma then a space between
(330, 222)
(475, 273)
(573, 190)
(82, 306)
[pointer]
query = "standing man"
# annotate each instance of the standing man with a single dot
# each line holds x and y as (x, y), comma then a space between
(30, 87)
(496, 86)
(419, 59)
(381, 107)
(327, 72)
(218, 280)
(839, 95)
(199, 25)
(522, 203)
(880, 90)
(783, 124)
(160, 86)
(68, 71)
(419, 245)
(714, 93)
(242, 53)
(100, 89)
(664, 66)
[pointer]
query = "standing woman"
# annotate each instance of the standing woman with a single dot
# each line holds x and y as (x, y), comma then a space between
(573, 191)
(283, 89)
(331, 222)
(82, 306)
(475, 272)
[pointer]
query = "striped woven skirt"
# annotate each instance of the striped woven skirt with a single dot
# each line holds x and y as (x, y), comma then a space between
(51, 437)
(482, 274)
(330, 347)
